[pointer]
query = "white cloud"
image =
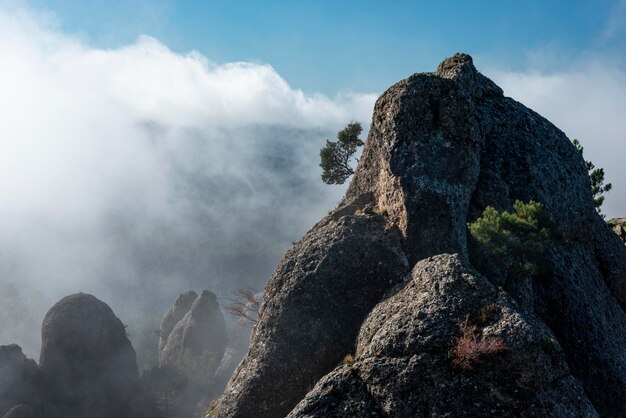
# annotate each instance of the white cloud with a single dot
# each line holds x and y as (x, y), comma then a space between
(136, 172)
(587, 101)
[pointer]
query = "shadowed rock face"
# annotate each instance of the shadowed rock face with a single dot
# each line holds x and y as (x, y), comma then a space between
(86, 351)
(525, 157)
(442, 146)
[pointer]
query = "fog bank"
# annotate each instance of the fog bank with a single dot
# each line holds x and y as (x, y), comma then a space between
(136, 173)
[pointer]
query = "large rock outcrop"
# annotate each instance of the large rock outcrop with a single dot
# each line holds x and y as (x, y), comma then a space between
(86, 352)
(409, 361)
(443, 146)
(312, 309)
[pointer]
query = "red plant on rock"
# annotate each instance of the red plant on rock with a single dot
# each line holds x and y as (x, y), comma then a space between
(472, 347)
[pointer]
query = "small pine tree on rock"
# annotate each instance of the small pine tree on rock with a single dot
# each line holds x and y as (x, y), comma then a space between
(336, 156)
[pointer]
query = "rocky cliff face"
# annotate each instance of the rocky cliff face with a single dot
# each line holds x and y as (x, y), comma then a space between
(392, 278)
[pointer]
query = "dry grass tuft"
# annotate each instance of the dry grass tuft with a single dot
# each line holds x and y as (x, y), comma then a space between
(471, 347)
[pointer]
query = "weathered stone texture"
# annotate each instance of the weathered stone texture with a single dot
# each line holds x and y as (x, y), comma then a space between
(441, 148)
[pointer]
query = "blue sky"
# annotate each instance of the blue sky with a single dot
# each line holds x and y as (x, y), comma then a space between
(330, 46)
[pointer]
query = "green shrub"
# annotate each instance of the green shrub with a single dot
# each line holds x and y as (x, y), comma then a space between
(516, 241)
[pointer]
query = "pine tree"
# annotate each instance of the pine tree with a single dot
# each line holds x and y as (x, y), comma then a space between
(336, 157)
(517, 240)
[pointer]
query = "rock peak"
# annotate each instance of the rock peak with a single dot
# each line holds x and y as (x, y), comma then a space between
(393, 272)
(460, 67)
(459, 63)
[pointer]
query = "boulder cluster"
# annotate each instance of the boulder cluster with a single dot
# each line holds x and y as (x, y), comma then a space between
(388, 308)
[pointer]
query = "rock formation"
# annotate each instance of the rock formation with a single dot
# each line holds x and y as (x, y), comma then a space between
(197, 341)
(618, 225)
(181, 306)
(86, 351)
(21, 381)
(87, 367)
(191, 346)
(406, 366)
(312, 309)
(441, 147)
